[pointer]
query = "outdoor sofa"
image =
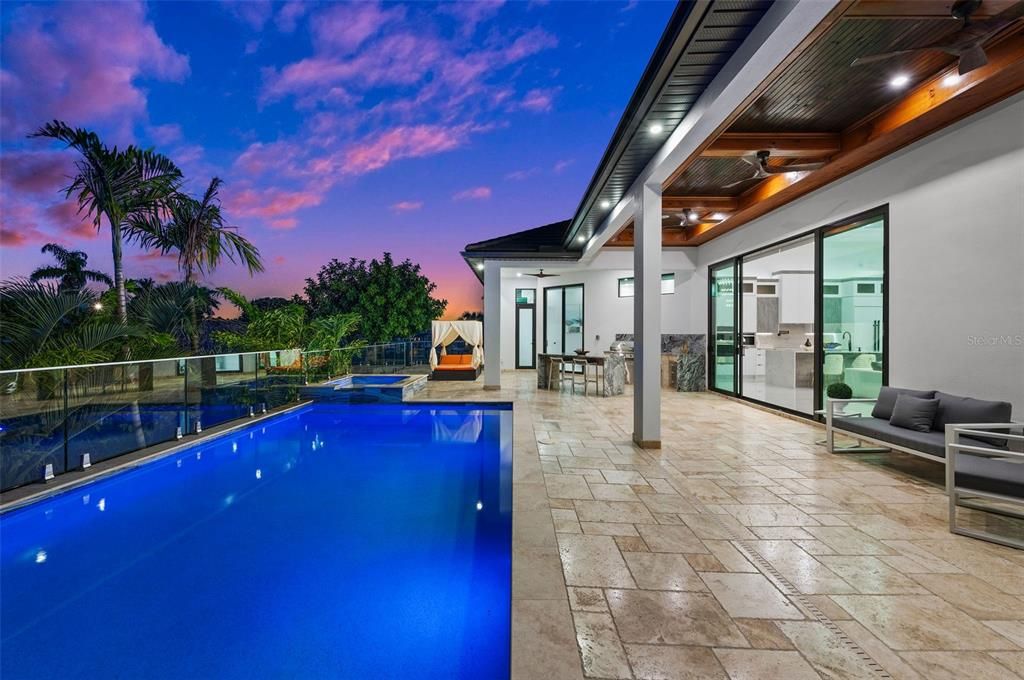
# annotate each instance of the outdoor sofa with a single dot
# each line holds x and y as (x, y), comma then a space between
(982, 448)
(455, 367)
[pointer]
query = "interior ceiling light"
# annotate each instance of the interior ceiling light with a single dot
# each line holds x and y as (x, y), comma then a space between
(606, 204)
(480, 266)
(693, 215)
(951, 80)
(656, 129)
(718, 217)
(900, 80)
(581, 238)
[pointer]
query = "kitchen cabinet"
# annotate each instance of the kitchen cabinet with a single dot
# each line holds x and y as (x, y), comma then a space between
(767, 320)
(749, 313)
(753, 361)
(796, 297)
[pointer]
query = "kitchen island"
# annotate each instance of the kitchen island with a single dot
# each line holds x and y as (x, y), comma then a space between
(611, 367)
(789, 367)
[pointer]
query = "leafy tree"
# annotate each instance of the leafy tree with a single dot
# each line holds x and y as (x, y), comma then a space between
(267, 304)
(116, 185)
(175, 308)
(471, 316)
(45, 326)
(196, 230)
(392, 301)
(285, 327)
(70, 269)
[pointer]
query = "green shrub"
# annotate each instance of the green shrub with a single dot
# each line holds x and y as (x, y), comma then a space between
(839, 390)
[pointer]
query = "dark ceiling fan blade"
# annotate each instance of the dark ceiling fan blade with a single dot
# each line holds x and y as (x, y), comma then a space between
(971, 59)
(796, 167)
(883, 56)
(539, 274)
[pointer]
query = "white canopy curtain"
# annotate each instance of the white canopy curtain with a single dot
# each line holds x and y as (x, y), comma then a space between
(445, 333)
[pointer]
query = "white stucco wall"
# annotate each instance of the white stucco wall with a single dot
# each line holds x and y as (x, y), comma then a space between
(604, 312)
(956, 252)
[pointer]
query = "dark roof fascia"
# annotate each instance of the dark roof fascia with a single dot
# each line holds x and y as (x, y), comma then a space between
(687, 15)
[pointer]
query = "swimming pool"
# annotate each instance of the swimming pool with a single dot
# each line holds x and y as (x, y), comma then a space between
(346, 541)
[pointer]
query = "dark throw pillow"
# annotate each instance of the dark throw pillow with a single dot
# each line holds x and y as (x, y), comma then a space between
(887, 399)
(914, 413)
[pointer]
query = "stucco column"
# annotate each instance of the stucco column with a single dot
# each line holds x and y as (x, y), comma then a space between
(492, 325)
(647, 317)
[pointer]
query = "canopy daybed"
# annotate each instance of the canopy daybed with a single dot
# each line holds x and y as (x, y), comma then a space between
(456, 366)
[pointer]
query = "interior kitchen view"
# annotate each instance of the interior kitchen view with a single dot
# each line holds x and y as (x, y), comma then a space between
(770, 296)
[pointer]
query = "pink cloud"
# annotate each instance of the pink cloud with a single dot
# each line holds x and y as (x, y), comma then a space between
(401, 142)
(165, 134)
(269, 203)
(539, 100)
(562, 165)
(280, 259)
(18, 228)
(290, 14)
(36, 172)
(520, 175)
(284, 223)
(473, 194)
(258, 158)
(81, 66)
(66, 217)
(406, 206)
(345, 26)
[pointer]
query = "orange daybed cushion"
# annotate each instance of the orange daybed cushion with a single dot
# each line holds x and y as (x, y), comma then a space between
(456, 362)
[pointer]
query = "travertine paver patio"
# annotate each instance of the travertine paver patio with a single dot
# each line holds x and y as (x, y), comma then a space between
(741, 549)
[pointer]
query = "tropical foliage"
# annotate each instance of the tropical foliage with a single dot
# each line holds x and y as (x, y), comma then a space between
(392, 300)
(195, 229)
(290, 326)
(120, 186)
(70, 270)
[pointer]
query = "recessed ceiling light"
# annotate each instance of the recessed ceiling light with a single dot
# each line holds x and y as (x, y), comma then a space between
(480, 266)
(656, 129)
(718, 216)
(693, 215)
(581, 238)
(606, 204)
(900, 80)
(519, 274)
(951, 80)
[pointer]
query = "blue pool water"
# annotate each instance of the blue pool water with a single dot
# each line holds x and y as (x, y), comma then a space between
(335, 541)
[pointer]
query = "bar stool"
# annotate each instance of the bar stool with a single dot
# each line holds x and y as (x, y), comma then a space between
(581, 364)
(587, 378)
(554, 366)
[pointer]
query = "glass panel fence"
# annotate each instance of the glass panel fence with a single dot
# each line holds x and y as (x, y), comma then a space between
(120, 408)
(32, 412)
(56, 416)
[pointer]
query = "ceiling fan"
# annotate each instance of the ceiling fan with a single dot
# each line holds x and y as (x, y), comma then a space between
(762, 170)
(967, 44)
(539, 274)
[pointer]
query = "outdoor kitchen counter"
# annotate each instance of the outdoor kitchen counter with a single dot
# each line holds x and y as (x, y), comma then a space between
(612, 380)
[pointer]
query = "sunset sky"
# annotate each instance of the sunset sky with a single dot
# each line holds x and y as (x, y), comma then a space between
(341, 130)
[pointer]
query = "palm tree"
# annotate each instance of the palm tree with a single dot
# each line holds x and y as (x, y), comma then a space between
(196, 230)
(70, 269)
(119, 185)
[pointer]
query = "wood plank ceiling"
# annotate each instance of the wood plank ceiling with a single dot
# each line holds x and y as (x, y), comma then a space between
(820, 108)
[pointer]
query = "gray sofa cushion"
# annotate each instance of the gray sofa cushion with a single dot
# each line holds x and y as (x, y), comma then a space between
(913, 413)
(887, 400)
(932, 443)
(954, 409)
(995, 476)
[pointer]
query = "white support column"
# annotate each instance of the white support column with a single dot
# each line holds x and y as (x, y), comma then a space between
(492, 325)
(647, 317)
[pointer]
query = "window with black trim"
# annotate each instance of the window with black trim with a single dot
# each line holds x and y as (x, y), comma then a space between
(627, 285)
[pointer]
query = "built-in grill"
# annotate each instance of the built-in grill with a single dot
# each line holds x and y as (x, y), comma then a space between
(623, 347)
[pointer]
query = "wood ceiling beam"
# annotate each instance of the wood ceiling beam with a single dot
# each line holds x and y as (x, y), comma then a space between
(922, 111)
(781, 145)
(699, 203)
(920, 9)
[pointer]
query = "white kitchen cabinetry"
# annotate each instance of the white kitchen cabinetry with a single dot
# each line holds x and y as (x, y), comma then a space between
(796, 297)
(753, 361)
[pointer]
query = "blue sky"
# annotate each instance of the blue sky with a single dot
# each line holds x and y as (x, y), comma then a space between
(341, 130)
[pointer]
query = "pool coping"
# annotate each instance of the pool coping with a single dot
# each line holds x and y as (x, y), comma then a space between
(31, 493)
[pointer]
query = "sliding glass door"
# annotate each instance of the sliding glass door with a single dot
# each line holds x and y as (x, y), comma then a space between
(563, 319)
(723, 356)
(853, 295)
